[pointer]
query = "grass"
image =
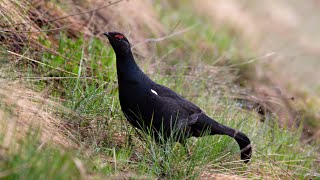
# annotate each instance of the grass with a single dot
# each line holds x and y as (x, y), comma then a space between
(79, 73)
(31, 158)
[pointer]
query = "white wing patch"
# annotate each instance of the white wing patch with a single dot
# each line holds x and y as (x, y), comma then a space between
(154, 92)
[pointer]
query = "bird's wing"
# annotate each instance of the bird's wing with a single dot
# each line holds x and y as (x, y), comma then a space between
(176, 102)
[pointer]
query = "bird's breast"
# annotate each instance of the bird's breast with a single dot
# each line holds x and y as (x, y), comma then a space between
(132, 93)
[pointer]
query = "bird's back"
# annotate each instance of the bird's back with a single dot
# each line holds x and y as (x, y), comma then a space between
(147, 104)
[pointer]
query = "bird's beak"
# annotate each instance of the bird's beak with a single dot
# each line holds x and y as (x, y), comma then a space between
(107, 34)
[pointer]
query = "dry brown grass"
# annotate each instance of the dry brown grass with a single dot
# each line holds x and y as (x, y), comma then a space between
(208, 175)
(28, 110)
(28, 20)
(137, 19)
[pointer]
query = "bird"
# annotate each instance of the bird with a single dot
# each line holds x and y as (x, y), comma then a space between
(156, 109)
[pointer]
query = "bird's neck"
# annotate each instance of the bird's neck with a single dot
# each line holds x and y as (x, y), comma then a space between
(127, 68)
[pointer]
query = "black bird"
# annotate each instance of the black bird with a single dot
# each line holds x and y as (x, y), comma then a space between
(150, 106)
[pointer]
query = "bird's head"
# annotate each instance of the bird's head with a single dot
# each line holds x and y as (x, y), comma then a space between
(118, 41)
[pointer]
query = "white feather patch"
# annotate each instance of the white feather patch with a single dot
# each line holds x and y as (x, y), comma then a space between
(154, 92)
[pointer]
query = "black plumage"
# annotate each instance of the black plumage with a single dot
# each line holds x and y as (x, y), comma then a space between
(150, 106)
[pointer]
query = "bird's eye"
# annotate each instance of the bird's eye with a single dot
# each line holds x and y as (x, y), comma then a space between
(119, 37)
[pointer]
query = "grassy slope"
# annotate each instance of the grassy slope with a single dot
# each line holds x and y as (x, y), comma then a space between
(111, 147)
(286, 30)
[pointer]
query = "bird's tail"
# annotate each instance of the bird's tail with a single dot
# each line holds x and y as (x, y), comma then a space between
(216, 128)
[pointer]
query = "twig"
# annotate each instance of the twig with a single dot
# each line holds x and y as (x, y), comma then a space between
(39, 62)
(251, 60)
(37, 31)
(67, 16)
(164, 37)
(56, 68)
(50, 78)
(272, 161)
(79, 70)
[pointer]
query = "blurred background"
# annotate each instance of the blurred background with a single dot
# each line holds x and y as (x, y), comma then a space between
(284, 36)
(253, 65)
(287, 30)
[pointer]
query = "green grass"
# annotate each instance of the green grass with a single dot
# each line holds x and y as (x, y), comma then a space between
(30, 159)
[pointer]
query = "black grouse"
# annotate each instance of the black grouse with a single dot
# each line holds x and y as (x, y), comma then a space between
(148, 105)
